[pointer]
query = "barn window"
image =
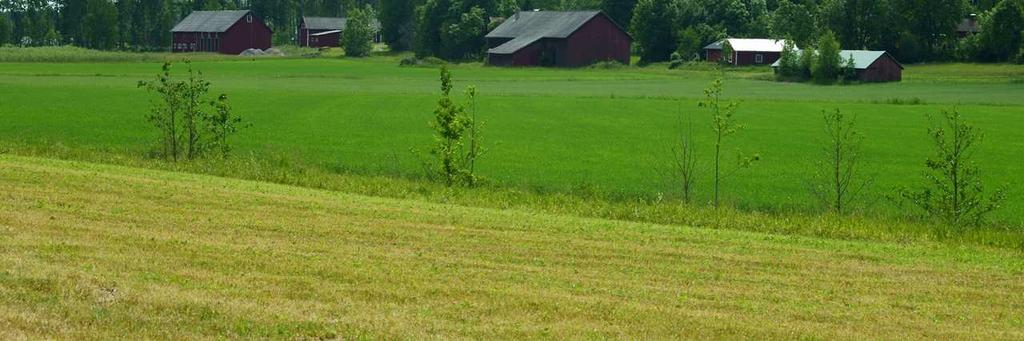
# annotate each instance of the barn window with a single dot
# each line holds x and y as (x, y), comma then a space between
(248, 18)
(759, 59)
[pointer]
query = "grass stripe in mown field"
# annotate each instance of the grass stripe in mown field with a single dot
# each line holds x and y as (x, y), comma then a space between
(93, 251)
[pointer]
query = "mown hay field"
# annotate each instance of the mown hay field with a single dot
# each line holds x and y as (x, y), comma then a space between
(97, 252)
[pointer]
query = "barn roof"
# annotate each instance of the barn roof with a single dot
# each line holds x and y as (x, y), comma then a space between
(324, 23)
(327, 23)
(529, 26)
(862, 59)
(750, 45)
(209, 21)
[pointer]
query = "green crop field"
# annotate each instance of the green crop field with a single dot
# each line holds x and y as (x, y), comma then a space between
(93, 251)
(604, 130)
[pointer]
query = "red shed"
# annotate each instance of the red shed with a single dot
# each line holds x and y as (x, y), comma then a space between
(229, 32)
(746, 51)
(550, 38)
(326, 32)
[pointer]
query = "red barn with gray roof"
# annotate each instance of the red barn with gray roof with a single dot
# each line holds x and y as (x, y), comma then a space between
(550, 38)
(326, 32)
(746, 51)
(229, 32)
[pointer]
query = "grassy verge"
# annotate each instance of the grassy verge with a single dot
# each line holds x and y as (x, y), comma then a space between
(582, 202)
(95, 251)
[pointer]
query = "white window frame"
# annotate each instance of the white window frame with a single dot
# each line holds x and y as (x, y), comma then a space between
(759, 58)
(248, 18)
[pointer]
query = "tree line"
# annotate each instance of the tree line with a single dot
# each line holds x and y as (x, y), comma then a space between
(455, 29)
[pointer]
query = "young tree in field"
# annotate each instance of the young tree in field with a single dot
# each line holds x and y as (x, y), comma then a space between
(190, 125)
(166, 111)
(839, 170)
(194, 93)
(827, 64)
(453, 125)
(723, 125)
(357, 40)
(221, 124)
(954, 191)
(685, 153)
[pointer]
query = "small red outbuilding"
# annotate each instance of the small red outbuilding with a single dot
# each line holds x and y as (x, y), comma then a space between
(551, 38)
(746, 51)
(229, 32)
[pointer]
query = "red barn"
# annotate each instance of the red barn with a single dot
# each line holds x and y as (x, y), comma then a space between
(746, 51)
(551, 38)
(229, 32)
(320, 31)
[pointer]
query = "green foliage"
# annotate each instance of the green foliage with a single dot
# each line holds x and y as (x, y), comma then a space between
(453, 125)
(452, 29)
(397, 23)
(954, 191)
(621, 11)
(357, 40)
(181, 113)
(464, 38)
(789, 63)
(827, 65)
(1000, 37)
(100, 25)
(848, 74)
(653, 30)
(6, 30)
(690, 44)
(796, 22)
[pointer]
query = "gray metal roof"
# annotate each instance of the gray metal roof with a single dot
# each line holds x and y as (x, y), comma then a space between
(529, 26)
(209, 21)
(327, 23)
(324, 23)
(861, 59)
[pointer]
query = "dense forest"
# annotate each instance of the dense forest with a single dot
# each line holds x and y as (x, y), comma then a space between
(913, 30)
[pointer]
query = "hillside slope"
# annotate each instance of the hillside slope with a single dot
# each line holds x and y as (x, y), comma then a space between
(94, 251)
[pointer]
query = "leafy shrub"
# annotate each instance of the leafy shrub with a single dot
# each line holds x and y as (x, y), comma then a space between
(423, 62)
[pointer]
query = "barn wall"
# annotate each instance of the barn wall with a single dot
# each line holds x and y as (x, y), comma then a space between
(243, 35)
(597, 40)
(712, 55)
(184, 42)
(885, 69)
(330, 40)
(749, 58)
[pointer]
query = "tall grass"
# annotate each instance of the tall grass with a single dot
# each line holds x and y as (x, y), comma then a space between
(73, 54)
(582, 202)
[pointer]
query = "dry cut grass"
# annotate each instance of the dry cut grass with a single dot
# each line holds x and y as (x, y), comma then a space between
(93, 252)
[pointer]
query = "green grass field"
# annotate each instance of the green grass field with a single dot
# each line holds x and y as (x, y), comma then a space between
(605, 130)
(98, 252)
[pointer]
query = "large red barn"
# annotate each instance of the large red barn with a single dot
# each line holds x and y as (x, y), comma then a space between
(550, 38)
(229, 32)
